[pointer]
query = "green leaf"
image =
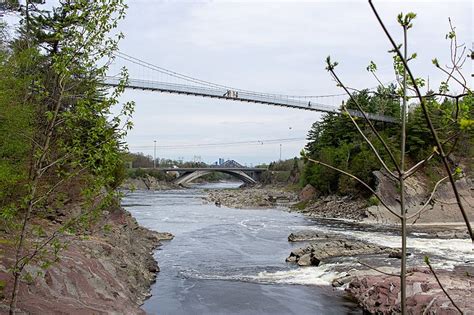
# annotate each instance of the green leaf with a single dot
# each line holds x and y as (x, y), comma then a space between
(426, 260)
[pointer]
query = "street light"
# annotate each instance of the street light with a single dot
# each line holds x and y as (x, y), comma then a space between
(154, 154)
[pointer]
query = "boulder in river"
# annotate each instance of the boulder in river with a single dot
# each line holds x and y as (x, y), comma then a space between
(326, 248)
(397, 253)
(305, 260)
(305, 236)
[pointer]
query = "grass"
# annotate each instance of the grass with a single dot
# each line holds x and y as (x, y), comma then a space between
(301, 205)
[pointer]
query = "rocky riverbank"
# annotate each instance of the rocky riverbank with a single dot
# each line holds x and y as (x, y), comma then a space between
(377, 292)
(441, 207)
(253, 197)
(380, 294)
(109, 270)
(333, 206)
(147, 183)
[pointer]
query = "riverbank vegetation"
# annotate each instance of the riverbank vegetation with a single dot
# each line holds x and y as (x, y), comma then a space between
(61, 148)
(449, 125)
(335, 140)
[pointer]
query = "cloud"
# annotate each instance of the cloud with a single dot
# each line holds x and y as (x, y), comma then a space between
(269, 46)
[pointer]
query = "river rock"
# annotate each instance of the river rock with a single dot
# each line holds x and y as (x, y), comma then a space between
(254, 197)
(308, 193)
(379, 294)
(163, 236)
(308, 260)
(305, 236)
(452, 234)
(305, 260)
(336, 207)
(324, 249)
(298, 252)
(342, 280)
(397, 253)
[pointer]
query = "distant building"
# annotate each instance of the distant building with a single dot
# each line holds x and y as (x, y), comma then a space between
(221, 161)
(232, 163)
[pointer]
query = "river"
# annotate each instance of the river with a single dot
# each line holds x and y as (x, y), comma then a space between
(232, 261)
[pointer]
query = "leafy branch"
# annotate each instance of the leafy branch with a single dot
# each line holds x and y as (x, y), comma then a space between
(429, 123)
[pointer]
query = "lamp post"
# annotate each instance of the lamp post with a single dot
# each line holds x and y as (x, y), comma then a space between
(154, 154)
(280, 151)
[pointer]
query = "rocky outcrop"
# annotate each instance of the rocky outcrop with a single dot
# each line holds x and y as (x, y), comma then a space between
(380, 294)
(305, 236)
(442, 208)
(335, 207)
(307, 193)
(325, 248)
(255, 197)
(108, 271)
(147, 183)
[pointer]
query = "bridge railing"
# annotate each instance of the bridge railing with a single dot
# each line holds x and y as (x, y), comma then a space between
(217, 92)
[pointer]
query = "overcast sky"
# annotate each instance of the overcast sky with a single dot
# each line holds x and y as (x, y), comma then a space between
(271, 46)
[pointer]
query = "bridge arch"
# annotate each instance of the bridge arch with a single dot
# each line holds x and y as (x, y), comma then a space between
(190, 176)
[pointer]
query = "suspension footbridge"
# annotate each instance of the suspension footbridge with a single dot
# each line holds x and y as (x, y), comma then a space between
(167, 81)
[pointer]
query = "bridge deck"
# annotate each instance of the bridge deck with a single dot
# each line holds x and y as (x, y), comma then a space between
(243, 96)
(193, 169)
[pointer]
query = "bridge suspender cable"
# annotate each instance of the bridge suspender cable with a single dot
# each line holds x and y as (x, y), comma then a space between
(251, 142)
(150, 66)
(208, 89)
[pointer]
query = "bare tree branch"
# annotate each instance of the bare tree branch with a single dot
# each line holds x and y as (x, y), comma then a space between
(454, 78)
(392, 157)
(417, 166)
(369, 143)
(427, 261)
(43, 196)
(426, 203)
(378, 270)
(429, 122)
(358, 180)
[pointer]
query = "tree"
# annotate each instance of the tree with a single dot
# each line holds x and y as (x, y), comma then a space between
(397, 166)
(336, 141)
(9, 5)
(58, 63)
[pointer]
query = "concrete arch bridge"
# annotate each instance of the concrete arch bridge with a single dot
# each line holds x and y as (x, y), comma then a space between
(249, 175)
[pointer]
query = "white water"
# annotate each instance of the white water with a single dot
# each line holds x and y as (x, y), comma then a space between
(229, 261)
(451, 252)
(232, 261)
(323, 275)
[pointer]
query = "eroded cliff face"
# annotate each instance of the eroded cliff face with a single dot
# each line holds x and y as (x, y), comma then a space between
(108, 271)
(441, 208)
